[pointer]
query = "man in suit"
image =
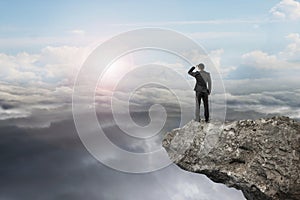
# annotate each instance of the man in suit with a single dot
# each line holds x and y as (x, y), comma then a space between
(202, 89)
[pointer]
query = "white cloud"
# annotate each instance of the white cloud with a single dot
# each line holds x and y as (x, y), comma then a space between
(13, 113)
(286, 59)
(53, 65)
(215, 55)
(78, 32)
(292, 51)
(262, 59)
(287, 10)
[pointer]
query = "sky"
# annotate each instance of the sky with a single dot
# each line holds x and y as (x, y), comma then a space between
(251, 49)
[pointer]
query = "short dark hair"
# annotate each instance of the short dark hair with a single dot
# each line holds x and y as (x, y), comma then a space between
(201, 66)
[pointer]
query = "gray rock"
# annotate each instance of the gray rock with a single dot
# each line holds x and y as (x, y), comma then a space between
(259, 157)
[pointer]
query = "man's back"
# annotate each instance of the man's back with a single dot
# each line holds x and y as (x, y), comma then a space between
(205, 76)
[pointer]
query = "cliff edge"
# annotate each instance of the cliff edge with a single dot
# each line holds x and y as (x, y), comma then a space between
(259, 157)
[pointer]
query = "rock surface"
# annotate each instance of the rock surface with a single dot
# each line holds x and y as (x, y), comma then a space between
(259, 157)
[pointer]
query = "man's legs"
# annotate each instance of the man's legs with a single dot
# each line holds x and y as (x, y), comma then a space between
(198, 102)
(206, 106)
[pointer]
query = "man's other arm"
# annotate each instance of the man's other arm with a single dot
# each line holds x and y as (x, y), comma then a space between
(190, 72)
(209, 82)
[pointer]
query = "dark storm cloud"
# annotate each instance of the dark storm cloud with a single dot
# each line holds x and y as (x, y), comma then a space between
(51, 163)
(266, 103)
(6, 106)
(127, 142)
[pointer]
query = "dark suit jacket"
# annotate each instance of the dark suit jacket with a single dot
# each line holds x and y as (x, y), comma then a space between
(203, 83)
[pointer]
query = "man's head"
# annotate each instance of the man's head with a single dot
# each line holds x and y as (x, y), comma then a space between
(201, 66)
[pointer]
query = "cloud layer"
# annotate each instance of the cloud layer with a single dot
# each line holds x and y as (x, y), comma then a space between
(36, 89)
(287, 10)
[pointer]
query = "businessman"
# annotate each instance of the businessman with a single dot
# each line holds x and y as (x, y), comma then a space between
(202, 89)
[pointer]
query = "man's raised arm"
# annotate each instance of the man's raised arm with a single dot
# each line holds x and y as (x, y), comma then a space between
(190, 72)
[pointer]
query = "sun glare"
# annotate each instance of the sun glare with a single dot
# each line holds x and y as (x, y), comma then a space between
(115, 72)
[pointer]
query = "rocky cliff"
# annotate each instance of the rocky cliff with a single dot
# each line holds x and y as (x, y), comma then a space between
(260, 157)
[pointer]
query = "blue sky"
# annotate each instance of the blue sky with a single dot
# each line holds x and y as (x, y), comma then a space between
(35, 14)
(58, 18)
(239, 26)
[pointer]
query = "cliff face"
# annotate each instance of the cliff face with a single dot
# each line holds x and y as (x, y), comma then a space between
(259, 157)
